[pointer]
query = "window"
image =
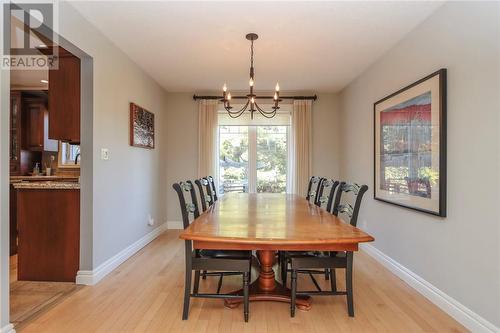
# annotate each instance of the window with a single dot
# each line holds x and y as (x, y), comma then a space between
(69, 155)
(253, 154)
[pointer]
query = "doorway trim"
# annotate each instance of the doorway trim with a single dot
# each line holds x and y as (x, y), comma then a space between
(86, 169)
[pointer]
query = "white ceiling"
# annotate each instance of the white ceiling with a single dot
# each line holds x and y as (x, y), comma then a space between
(29, 79)
(306, 46)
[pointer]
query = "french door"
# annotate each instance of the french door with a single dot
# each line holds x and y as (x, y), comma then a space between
(253, 159)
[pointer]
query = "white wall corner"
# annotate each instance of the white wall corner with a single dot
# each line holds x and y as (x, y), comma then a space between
(455, 309)
(8, 329)
(94, 276)
(175, 225)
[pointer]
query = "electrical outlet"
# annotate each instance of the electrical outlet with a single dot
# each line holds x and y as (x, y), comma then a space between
(151, 220)
(104, 154)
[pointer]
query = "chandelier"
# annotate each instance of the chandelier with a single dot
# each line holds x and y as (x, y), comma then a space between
(251, 103)
(251, 99)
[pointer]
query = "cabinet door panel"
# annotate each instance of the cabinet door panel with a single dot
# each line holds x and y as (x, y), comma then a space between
(64, 100)
(35, 126)
(15, 132)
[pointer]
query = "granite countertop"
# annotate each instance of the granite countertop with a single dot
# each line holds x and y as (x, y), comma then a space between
(54, 185)
(15, 179)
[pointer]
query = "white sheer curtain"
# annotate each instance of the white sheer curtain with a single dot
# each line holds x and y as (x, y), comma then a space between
(207, 138)
(300, 146)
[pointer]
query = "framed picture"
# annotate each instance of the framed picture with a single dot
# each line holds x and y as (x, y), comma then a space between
(142, 127)
(410, 146)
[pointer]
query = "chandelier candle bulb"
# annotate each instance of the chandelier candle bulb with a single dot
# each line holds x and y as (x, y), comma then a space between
(224, 88)
(228, 96)
(251, 82)
(277, 87)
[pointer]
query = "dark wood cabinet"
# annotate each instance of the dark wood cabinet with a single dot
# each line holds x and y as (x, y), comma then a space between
(13, 221)
(15, 133)
(35, 111)
(49, 234)
(64, 99)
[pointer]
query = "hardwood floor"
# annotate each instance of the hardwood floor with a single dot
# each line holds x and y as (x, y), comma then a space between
(145, 295)
(29, 299)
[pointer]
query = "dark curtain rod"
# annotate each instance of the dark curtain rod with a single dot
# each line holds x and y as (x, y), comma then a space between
(313, 98)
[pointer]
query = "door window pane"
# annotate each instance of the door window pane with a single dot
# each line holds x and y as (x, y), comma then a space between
(233, 158)
(271, 159)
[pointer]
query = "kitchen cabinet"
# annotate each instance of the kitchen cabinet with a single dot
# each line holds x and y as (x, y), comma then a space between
(64, 99)
(35, 110)
(49, 234)
(15, 133)
(13, 221)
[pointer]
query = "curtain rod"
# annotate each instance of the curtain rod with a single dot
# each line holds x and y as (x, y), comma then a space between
(313, 98)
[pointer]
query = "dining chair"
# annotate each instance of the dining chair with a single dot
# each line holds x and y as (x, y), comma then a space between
(313, 189)
(205, 192)
(212, 185)
(345, 208)
(206, 198)
(219, 262)
(325, 196)
(326, 193)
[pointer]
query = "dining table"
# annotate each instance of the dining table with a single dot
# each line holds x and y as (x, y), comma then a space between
(267, 223)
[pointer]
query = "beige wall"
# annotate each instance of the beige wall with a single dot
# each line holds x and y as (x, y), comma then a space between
(127, 187)
(182, 142)
(325, 137)
(460, 254)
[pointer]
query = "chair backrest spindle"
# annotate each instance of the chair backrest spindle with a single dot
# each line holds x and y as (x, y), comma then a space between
(213, 188)
(205, 192)
(326, 193)
(313, 189)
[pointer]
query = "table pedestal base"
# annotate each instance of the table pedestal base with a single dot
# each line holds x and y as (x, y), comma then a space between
(266, 288)
(278, 294)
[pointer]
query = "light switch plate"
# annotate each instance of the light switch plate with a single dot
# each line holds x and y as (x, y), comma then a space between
(104, 154)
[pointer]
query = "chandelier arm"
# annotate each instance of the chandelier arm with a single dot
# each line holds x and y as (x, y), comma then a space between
(263, 111)
(236, 114)
(266, 114)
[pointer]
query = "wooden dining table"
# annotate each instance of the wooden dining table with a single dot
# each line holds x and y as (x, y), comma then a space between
(267, 223)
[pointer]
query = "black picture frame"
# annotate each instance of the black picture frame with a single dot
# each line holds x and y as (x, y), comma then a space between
(442, 186)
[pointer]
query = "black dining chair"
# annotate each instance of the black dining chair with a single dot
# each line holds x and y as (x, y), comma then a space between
(345, 208)
(221, 262)
(212, 185)
(313, 189)
(324, 200)
(326, 193)
(205, 191)
(207, 198)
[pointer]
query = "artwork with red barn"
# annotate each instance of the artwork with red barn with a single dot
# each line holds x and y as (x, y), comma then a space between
(410, 146)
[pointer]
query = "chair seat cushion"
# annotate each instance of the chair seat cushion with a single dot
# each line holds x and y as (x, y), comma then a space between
(227, 254)
(316, 254)
(291, 254)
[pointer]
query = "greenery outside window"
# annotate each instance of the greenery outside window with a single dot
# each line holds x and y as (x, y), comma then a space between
(253, 154)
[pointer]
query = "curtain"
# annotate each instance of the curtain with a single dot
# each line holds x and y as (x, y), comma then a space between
(300, 146)
(207, 138)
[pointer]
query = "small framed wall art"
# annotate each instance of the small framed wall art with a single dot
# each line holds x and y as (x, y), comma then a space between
(142, 127)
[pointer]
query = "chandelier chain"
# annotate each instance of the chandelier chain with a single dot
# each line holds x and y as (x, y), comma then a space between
(251, 56)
